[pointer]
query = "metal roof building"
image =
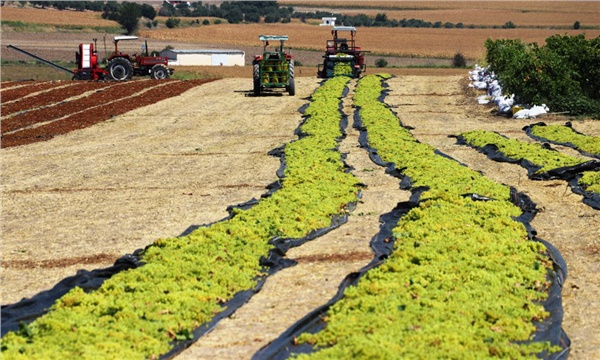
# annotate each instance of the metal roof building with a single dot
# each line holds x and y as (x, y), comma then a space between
(205, 57)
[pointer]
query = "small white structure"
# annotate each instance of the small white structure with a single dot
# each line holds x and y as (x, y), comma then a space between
(328, 21)
(205, 57)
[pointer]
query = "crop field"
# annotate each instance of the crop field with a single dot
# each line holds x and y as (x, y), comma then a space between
(417, 42)
(482, 13)
(54, 17)
(390, 216)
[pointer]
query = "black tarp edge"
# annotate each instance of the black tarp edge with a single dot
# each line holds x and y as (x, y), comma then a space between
(529, 131)
(570, 174)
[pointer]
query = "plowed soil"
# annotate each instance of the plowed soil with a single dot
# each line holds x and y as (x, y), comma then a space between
(85, 198)
(42, 119)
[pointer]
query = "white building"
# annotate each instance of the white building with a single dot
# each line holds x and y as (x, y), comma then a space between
(205, 57)
(328, 21)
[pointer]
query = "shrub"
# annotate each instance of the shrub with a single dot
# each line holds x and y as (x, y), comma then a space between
(459, 61)
(564, 74)
(508, 25)
(173, 22)
(205, 22)
(381, 63)
(576, 25)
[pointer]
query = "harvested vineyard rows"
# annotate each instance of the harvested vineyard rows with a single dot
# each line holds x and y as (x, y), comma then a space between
(30, 99)
(418, 101)
(100, 102)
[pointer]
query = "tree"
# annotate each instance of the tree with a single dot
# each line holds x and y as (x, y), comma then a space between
(234, 16)
(148, 11)
(129, 15)
(576, 25)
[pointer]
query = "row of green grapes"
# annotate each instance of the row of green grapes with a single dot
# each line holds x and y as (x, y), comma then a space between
(542, 161)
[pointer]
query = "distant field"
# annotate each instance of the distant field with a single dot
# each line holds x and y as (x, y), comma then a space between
(532, 19)
(417, 42)
(479, 13)
(54, 17)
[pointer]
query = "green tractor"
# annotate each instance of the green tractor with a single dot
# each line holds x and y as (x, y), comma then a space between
(273, 69)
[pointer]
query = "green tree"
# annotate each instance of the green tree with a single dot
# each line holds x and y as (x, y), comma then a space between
(148, 11)
(129, 15)
(234, 16)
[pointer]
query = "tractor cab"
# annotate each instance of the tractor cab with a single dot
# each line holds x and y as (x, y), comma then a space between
(278, 51)
(343, 41)
(342, 56)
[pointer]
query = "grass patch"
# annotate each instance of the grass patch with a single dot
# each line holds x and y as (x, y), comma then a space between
(20, 26)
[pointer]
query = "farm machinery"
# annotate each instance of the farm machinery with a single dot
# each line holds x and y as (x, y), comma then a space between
(273, 69)
(342, 56)
(120, 66)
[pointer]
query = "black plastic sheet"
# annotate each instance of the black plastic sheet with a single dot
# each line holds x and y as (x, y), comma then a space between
(571, 174)
(529, 131)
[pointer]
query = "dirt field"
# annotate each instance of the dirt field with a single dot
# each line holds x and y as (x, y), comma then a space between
(115, 187)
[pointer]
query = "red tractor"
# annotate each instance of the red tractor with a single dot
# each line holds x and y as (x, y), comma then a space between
(342, 56)
(123, 66)
(120, 66)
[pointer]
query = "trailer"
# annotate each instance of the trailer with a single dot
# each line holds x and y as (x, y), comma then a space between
(273, 69)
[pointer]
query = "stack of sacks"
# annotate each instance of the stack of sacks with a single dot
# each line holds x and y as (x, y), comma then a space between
(482, 79)
(531, 113)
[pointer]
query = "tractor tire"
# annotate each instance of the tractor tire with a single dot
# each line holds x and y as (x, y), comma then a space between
(159, 72)
(256, 78)
(120, 69)
(291, 88)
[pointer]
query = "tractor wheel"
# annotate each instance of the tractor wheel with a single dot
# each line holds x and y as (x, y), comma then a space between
(256, 77)
(120, 69)
(291, 88)
(159, 72)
